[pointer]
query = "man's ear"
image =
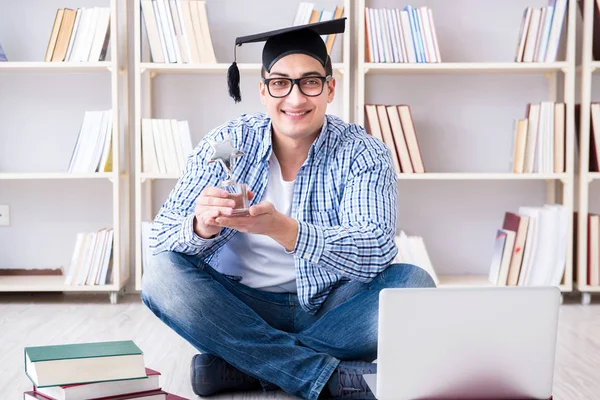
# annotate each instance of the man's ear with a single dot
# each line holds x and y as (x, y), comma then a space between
(262, 88)
(331, 88)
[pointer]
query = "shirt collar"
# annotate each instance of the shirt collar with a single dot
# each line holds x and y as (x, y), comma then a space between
(315, 153)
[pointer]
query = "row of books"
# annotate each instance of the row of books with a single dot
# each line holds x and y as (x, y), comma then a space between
(93, 150)
(412, 250)
(92, 259)
(79, 35)
(401, 36)
(307, 14)
(166, 144)
(178, 31)
(540, 33)
(539, 139)
(594, 134)
(530, 248)
(112, 370)
(394, 126)
(593, 255)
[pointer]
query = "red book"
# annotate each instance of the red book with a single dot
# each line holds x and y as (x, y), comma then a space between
(153, 395)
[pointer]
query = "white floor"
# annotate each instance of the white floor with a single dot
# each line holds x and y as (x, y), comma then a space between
(42, 319)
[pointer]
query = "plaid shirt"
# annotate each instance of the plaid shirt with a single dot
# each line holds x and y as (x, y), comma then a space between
(345, 202)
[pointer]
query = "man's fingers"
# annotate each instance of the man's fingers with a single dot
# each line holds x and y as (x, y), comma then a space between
(215, 201)
(214, 192)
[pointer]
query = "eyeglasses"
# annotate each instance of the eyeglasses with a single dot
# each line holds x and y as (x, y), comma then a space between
(309, 86)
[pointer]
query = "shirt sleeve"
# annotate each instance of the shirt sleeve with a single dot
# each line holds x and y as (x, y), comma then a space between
(363, 244)
(173, 227)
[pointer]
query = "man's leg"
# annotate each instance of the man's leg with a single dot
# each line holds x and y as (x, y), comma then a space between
(186, 297)
(347, 326)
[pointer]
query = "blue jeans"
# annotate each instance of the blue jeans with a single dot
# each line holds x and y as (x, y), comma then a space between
(268, 335)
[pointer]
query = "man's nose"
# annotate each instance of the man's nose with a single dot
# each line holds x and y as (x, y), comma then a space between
(296, 96)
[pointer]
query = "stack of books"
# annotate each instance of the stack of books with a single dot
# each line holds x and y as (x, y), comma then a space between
(80, 35)
(166, 144)
(530, 248)
(394, 126)
(93, 150)
(539, 139)
(307, 14)
(178, 31)
(92, 259)
(540, 32)
(108, 370)
(401, 36)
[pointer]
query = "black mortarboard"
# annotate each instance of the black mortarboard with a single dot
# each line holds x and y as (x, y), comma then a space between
(305, 39)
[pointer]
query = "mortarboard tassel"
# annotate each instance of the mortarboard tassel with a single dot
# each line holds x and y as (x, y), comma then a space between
(233, 80)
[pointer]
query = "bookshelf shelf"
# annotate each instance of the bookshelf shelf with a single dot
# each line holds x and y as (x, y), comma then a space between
(592, 176)
(481, 176)
(172, 68)
(560, 88)
(54, 175)
(120, 159)
(49, 283)
(466, 68)
(33, 66)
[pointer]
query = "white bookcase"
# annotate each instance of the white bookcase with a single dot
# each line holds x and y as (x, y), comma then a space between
(589, 68)
(371, 77)
(117, 68)
(231, 22)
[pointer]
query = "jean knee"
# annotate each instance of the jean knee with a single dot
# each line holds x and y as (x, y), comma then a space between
(409, 275)
(159, 271)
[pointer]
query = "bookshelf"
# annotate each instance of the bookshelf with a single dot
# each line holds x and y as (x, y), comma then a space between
(558, 78)
(589, 69)
(116, 181)
(146, 72)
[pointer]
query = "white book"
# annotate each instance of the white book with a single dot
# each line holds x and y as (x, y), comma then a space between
(205, 29)
(428, 37)
(82, 29)
(75, 258)
(172, 31)
(176, 137)
(381, 40)
(436, 45)
(407, 33)
(541, 56)
(103, 278)
(532, 243)
(184, 39)
(558, 18)
(99, 133)
(392, 44)
(186, 138)
(149, 159)
(89, 132)
(152, 32)
(96, 258)
(79, 143)
(401, 52)
(560, 250)
(532, 136)
(86, 46)
(523, 34)
(373, 50)
(161, 31)
(87, 259)
(188, 30)
(169, 145)
(74, 34)
(158, 144)
(108, 133)
(532, 34)
(100, 34)
(166, 32)
(194, 13)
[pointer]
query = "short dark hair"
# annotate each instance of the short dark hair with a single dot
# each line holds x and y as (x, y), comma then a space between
(328, 69)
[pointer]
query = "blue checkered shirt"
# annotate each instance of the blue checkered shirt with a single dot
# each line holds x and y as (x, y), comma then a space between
(345, 202)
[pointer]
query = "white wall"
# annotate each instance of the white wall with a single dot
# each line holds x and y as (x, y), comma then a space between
(464, 123)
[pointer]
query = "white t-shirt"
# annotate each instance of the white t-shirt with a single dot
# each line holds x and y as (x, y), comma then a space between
(262, 262)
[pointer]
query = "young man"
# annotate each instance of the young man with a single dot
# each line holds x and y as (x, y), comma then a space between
(286, 297)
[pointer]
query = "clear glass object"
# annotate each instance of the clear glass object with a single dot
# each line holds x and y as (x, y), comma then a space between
(239, 193)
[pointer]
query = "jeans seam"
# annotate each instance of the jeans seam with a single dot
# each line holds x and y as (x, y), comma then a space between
(235, 285)
(321, 381)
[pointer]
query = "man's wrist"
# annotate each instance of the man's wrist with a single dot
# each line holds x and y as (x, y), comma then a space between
(199, 233)
(285, 231)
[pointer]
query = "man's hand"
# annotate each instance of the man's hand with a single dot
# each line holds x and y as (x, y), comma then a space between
(212, 203)
(264, 219)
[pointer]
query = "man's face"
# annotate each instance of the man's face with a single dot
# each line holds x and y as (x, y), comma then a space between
(297, 115)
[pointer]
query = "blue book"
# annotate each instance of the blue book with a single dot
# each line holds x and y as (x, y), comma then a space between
(2, 54)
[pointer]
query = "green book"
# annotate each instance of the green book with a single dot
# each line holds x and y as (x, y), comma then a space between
(81, 363)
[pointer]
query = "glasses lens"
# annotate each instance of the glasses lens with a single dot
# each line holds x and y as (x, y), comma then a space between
(279, 87)
(311, 86)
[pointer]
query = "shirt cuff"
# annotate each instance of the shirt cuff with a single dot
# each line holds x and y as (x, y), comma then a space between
(310, 243)
(189, 235)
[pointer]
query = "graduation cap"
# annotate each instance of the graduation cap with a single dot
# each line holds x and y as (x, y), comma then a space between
(305, 39)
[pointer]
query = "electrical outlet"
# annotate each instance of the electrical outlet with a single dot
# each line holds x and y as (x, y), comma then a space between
(4, 215)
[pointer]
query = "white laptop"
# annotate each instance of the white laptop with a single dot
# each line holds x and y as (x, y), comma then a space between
(466, 343)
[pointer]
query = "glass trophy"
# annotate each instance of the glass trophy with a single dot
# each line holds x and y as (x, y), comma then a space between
(224, 153)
